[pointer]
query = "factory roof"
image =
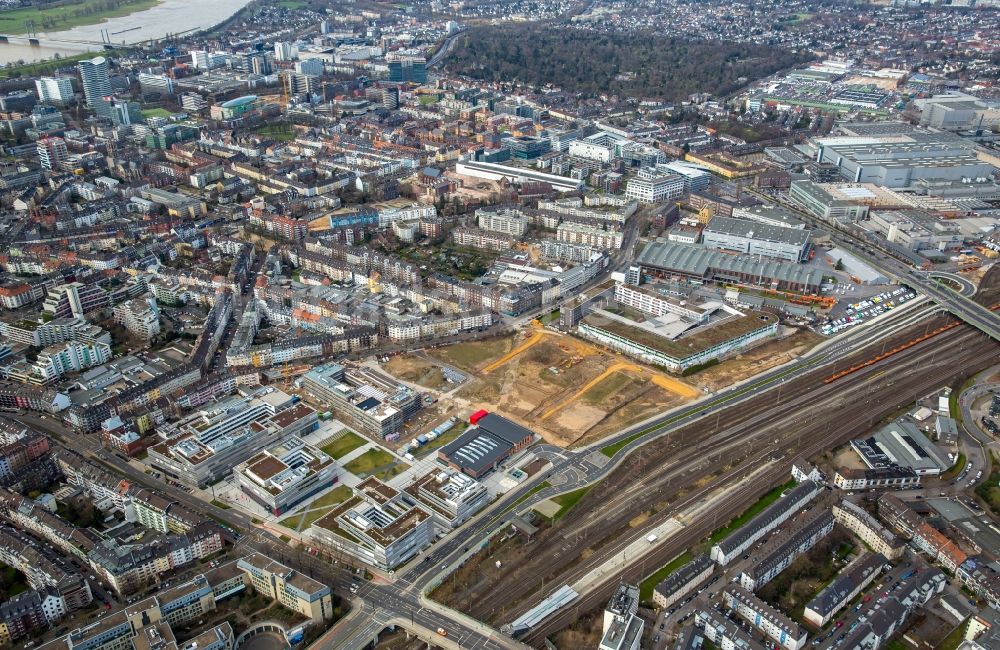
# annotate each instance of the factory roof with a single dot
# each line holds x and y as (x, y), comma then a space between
(692, 259)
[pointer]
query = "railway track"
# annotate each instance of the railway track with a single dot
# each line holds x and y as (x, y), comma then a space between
(600, 522)
(924, 370)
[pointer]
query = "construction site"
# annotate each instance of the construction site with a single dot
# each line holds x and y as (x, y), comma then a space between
(692, 481)
(568, 390)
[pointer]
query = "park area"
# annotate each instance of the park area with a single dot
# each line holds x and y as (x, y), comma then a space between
(56, 16)
(568, 390)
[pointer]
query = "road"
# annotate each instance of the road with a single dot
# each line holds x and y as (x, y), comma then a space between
(872, 253)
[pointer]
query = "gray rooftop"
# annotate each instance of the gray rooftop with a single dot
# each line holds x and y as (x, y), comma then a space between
(756, 230)
(833, 595)
(791, 499)
(693, 259)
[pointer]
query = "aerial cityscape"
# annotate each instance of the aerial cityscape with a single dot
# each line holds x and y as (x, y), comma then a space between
(500, 324)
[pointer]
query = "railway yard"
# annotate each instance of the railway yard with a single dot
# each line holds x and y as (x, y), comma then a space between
(663, 478)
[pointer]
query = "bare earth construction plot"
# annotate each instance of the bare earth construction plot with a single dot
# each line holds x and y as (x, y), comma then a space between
(566, 389)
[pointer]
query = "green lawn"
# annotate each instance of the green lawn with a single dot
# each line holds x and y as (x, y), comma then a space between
(66, 15)
(538, 488)
(751, 512)
(155, 112)
(646, 586)
(568, 500)
(376, 462)
(281, 132)
(427, 100)
(953, 640)
(345, 444)
(292, 4)
(318, 508)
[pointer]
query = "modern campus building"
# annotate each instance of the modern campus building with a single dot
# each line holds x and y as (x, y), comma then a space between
(283, 476)
(378, 525)
(372, 401)
(664, 346)
(452, 497)
(652, 186)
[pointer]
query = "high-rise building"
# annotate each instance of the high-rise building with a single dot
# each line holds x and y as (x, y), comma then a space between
(152, 82)
(205, 60)
(125, 113)
(95, 80)
(309, 66)
(408, 68)
(285, 51)
(55, 90)
(52, 152)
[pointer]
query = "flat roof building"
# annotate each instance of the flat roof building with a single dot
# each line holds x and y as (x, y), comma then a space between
(759, 239)
(286, 474)
(902, 444)
(482, 448)
(452, 497)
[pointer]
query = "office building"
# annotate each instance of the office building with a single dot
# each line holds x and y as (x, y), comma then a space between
(55, 90)
(827, 202)
(95, 81)
(371, 400)
(452, 497)
(378, 525)
(770, 518)
(285, 51)
(775, 625)
(622, 625)
(283, 476)
(757, 239)
(75, 300)
(157, 83)
(651, 186)
(293, 590)
(52, 152)
(682, 581)
(404, 68)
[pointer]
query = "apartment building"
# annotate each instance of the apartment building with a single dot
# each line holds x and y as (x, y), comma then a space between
(59, 359)
(596, 237)
(775, 625)
(41, 334)
(869, 529)
(770, 518)
(682, 581)
(75, 300)
(846, 586)
(508, 221)
(483, 239)
(798, 542)
(724, 633)
(140, 316)
(286, 474)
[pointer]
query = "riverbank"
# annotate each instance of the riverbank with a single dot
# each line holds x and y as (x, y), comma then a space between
(67, 15)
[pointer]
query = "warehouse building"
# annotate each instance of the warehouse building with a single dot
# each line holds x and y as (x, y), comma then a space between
(482, 448)
(702, 264)
(895, 164)
(770, 518)
(749, 238)
(848, 584)
(682, 581)
(782, 557)
(902, 444)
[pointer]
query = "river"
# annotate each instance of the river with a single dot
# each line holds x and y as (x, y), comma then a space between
(170, 16)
